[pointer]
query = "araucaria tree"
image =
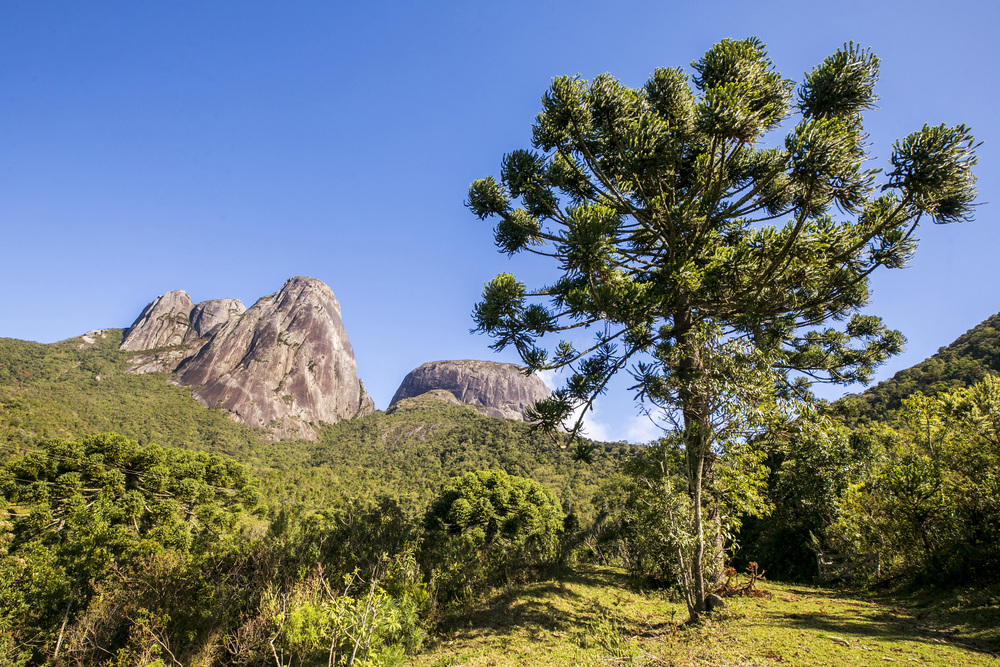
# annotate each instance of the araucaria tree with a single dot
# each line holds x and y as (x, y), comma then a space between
(722, 269)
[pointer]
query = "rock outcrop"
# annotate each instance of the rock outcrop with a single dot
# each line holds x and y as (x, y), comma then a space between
(208, 316)
(171, 330)
(495, 389)
(90, 338)
(282, 365)
(165, 322)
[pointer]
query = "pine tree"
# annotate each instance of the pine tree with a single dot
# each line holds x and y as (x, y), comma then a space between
(657, 204)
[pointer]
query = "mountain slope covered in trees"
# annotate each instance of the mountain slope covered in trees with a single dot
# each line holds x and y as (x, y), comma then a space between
(967, 360)
(166, 520)
(73, 390)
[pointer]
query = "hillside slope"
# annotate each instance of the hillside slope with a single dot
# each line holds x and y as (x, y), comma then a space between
(77, 388)
(424, 441)
(964, 362)
(74, 388)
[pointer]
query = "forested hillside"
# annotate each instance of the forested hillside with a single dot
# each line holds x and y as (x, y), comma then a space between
(907, 469)
(71, 390)
(423, 441)
(192, 506)
(120, 492)
(964, 362)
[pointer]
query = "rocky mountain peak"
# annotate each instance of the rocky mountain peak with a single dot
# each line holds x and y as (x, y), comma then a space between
(207, 316)
(163, 323)
(282, 364)
(494, 389)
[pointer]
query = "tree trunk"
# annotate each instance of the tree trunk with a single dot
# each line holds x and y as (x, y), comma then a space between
(717, 561)
(697, 444)
(695, 469)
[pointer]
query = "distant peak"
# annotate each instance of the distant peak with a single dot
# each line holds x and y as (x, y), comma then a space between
(496, 389)
(283, 364)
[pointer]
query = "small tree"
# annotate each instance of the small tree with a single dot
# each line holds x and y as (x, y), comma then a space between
(486, 527)
(656, 203)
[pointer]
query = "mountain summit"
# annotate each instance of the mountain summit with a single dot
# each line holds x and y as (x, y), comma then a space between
(282, 364)
(494, 389)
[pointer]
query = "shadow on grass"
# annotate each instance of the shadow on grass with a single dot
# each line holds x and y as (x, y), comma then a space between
(545, 606)
(897, 618)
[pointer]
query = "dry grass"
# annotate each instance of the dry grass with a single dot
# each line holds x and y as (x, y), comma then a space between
(590, 617)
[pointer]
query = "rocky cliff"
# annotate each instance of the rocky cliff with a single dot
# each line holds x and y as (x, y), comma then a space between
(282, 364)
(495, 389)
(171, 329)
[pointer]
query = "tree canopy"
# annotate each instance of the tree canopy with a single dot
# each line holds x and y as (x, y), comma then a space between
(487, 525)
(658, 205)
(76, 512)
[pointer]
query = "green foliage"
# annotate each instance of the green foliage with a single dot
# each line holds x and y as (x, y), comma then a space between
(645, 522)
(81, 510)
(358, 624)
(971, 357)
(249, 605)
(416, 448)
(78, 390)
(353, 537)
(656, 203)
(311, 583)
(163, 577)
(487, 528)
(652, 198)
(817, 460)
(812, 463)
(930, 501)
(408, 454)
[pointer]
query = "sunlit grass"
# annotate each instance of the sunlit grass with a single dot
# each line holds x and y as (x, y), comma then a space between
(591, 617)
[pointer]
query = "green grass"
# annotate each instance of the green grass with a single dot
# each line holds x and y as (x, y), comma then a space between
(591, 617)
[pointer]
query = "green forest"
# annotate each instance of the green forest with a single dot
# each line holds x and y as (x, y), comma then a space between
(114, 484)
(139, 528)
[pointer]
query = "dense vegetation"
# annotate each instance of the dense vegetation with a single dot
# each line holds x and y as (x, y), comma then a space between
(921, 489)
(113, 550)
(907, 469)
(488, 527)
(71, 389)
(66, 390)
(971, 357)
(145, 545)
(188, 539)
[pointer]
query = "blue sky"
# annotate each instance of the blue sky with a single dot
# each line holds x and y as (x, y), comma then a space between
(222, 147)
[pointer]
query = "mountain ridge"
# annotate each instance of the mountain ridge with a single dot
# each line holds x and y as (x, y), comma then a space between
(961, 363)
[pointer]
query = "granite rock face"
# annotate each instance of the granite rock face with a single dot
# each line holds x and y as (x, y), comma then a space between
(494, 389)
(164, 323)
(207, 316)
(162, 337)
(280, 365)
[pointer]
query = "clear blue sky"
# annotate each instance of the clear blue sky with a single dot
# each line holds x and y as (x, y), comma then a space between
(222, 147)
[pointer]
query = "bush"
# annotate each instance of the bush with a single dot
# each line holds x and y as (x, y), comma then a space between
(488, 528)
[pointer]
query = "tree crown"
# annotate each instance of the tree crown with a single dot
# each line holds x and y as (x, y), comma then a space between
(658, 206)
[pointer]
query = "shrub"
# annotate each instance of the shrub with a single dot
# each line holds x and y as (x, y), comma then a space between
(488, 528)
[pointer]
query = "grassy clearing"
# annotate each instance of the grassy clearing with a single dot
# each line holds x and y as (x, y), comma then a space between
(590, 617)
